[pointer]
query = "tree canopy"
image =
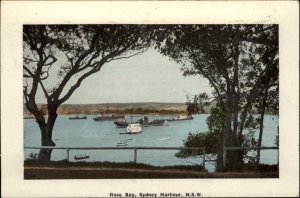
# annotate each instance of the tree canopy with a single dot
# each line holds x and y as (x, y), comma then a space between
(68, 54)
(241, 63)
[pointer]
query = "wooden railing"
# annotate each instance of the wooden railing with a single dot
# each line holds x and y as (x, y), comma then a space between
(225, 149)
(135, 150)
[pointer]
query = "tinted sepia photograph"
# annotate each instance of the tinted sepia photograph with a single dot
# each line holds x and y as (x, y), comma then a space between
(149, 99)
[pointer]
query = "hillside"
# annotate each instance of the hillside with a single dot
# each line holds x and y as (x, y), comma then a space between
(123, 108)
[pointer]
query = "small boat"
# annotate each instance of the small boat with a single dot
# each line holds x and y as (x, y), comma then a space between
(134, 128)
(108, 117)
(79, 157)
(180, 118)
(77, 117)
(122, 144)
(28, 117)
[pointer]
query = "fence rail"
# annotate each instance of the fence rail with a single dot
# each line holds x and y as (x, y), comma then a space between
(135, 149)
(245, 148)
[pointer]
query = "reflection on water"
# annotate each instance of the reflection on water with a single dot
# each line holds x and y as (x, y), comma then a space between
(88, 133)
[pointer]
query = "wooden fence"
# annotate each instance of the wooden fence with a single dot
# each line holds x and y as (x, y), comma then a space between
(135, 150)
(225, 149)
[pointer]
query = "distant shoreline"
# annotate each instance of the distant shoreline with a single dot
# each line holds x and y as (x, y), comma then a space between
(147, 108)
(134, 109)
(149, 114)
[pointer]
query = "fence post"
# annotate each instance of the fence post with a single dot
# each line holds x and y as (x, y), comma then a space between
(204, 158)
(68, 153)
(224, 156)
(135, 155)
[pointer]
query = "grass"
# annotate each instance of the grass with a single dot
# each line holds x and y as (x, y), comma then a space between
(110, 170)
(64, 164)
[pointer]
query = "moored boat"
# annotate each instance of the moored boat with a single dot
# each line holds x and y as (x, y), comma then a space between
(121, 123)
(134, 128)
(156, 122)
(120, 143)
(180, 118)
(29, 117)
(79, 157)
(77, 117)
(144, 122)
(108, 117)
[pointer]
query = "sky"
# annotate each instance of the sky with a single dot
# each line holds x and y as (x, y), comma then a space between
(148, 77)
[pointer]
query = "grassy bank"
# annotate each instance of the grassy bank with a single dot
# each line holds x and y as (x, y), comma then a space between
(64, 163)
(109, 170)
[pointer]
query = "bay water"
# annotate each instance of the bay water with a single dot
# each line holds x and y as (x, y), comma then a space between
(89, 133)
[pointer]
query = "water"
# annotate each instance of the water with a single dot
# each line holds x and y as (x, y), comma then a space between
(88, 133)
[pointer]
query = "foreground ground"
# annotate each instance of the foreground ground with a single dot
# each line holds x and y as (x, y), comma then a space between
(105, 170)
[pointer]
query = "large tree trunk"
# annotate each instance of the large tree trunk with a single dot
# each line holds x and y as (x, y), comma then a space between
(46, 134)
(234, 158)
(235, 84)
(227, 137)
(261, 125)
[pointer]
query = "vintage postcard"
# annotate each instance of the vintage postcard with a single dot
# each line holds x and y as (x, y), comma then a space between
(149, 99)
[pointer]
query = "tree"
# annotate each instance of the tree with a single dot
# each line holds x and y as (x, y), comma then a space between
(196, 104)
(68, 54)
(238, 60)
(211, 140)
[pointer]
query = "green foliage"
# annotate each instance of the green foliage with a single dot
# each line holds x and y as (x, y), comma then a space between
(215, 120)
(33, 156)
(241, 64)
(251, 126)
(80, 50)
(197, 103)
(210, 140)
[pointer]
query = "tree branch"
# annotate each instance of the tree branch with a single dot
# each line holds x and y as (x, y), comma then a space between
(125, 57)
(53, 60)
(28, 71)
(29, 59)
(75, 86)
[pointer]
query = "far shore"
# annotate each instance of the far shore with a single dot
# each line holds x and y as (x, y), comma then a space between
(128, 109)
(127, 115)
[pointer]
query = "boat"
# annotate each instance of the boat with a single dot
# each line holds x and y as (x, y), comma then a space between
(120, 143)
(134, 128)
(28, 117)
(121, 123)
(144, 122)
(79, 157)
(180, 118)
(77, 117)
(108, 117)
